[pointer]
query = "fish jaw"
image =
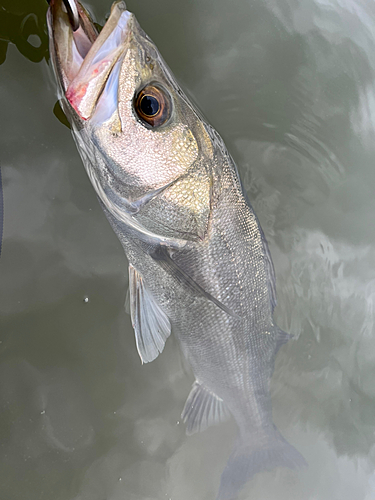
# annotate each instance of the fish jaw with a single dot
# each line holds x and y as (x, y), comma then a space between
(84, 90)
(82, 59)
(67, 47)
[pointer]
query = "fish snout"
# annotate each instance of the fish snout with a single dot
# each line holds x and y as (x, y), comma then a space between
(82, 58)
(72, 11)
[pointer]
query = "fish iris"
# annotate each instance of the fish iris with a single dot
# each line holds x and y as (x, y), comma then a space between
(153, 105)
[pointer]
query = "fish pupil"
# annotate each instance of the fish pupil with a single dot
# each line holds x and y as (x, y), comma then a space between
(149, 105)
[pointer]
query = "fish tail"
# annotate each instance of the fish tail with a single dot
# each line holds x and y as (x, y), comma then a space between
(248, 459)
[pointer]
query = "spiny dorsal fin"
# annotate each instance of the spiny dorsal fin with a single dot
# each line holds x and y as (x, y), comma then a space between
(202, 409)
(281, 338)
(151, 324)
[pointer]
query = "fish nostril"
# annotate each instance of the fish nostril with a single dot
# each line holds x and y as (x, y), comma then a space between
(71, 8)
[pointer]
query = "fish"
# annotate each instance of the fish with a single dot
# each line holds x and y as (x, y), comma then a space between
(199, 263)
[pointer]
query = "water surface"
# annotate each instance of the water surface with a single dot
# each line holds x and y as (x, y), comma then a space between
(290, 87)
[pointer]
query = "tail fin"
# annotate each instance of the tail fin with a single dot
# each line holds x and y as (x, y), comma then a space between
(248, 458)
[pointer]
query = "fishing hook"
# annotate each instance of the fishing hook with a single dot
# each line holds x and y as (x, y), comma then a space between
(72, 11)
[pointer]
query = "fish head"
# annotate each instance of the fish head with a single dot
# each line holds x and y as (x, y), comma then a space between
(120, 96)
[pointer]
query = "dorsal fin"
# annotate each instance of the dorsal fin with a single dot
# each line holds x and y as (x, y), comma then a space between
(281, 338)
(151, 324)
(202, 409)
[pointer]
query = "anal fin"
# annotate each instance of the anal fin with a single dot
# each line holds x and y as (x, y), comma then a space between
(151, 325)
(202, 409)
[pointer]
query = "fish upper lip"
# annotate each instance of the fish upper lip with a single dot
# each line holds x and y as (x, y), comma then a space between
(73, 14)
(82, 59)
(66, 52)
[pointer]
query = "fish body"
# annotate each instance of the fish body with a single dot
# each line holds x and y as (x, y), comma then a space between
(199, 264)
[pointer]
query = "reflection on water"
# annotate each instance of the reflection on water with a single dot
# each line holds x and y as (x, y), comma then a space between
(22, 23)
(289, 85)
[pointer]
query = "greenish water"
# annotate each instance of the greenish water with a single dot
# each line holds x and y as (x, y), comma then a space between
(290, 87)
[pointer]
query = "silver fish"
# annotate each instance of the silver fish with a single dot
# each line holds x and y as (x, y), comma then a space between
(198, 260)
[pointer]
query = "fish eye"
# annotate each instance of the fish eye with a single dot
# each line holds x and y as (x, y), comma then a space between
(153, 105)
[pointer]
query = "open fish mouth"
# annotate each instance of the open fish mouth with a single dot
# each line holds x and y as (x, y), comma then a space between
(82, 58)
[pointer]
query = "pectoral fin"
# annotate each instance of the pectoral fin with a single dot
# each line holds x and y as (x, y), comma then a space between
(202, 409)
(150, 323)
(162, 256)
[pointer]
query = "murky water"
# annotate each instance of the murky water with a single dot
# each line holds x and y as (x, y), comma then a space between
(290, 87)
